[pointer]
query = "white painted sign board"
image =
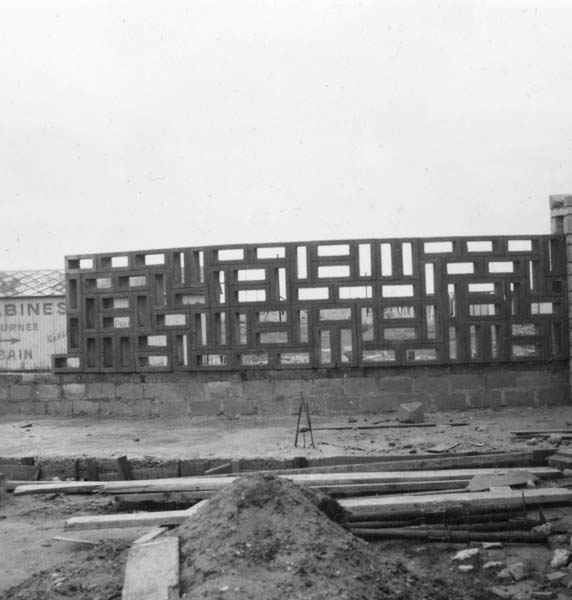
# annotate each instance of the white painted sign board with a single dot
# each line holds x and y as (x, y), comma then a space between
(31, 330)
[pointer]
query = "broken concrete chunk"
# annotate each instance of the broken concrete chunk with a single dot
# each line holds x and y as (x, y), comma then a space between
(465, 568)
(491, 545)
(466, 554)
(543, 529)
(411, 413)
(555, 577)
(493, 564)
(518, 571)
(502, 592)
(560, 558)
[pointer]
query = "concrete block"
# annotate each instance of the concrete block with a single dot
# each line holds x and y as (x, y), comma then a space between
(100, 390)
(466, 381)
(21, 392)
(520, 397)
(386, 402)
(340, 405)
(46, 392)
(85, 407)
(218, 391)
(74, 391)
(431, 385)
(501, 378)
(484, 398)
(172, 407)
(203, 409)
(129, 391)
(411, 413)
(534, 379)
(232, 407)
(267, 397)
(356, 388)
(59, 408)
(456, 401)
(30, 407)
(395, 384)
(554, 395)
(145, 407)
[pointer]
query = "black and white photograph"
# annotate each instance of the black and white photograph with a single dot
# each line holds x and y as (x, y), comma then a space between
(285, 299)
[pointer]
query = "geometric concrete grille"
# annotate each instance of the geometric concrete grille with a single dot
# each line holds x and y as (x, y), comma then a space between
(318, 305)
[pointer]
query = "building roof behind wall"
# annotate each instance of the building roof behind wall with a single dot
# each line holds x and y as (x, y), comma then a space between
(18, 284)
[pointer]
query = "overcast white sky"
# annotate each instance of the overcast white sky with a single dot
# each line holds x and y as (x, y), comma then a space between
(144, 124)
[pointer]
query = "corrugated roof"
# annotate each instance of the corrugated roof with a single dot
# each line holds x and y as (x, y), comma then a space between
(15, 284)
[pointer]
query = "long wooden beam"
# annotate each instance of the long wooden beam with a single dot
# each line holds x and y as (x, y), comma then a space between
(381, 507)
(492, 460)
(384, 507)
(188, 484)
(332, 490)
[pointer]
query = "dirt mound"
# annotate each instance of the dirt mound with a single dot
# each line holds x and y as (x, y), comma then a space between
(265, 538)
(92, 575)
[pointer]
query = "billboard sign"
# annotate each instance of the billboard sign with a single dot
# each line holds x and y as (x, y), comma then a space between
(31, 330)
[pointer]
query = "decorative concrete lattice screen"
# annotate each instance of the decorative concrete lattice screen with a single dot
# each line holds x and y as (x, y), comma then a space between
(318, 305)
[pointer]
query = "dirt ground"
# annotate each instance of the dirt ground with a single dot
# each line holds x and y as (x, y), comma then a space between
(28, 524)
(255, 436)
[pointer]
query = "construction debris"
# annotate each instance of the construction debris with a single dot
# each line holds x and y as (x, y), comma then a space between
(152, 571)
(411, 413)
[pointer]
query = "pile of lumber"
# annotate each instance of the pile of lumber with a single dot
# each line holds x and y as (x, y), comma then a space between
(562, 459)
(523, 434)
(454, 500)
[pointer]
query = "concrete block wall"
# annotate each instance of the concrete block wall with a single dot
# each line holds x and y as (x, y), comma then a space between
(370, 391)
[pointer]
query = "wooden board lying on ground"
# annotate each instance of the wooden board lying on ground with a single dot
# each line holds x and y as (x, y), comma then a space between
(396, 506)
(386, 426)
(535, 432)
(486, 482)
(182, 484)
(380, 507)
(332, 490)
(162, 518)
(152, 571)
(428, 462)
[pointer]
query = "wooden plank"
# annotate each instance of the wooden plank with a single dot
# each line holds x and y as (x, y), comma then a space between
(91, 466)
(390, 488)
(396, 506)
(159, 518)
(155, 473)
(77, 542)
(452, 535)
(440, 448)
(220, 469)
(428, 462)
(23, 472)
(359, 508)
(333, 490)
(124, 468)
(152, 571)
(485, 482)
(182, 484)
(534, 432)
(386, 426)
(166, 497)
(151, 535)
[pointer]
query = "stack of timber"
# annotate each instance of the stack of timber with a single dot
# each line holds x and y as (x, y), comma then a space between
(562, 459)
(448, 503)
(542, 433)
(335, 483)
